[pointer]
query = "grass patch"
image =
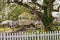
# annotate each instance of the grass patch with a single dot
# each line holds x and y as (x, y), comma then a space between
(5, 29)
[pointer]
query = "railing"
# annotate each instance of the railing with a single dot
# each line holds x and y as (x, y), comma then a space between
(52, 35)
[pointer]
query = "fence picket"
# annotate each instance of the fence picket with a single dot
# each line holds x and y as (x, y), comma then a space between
(4, 36)
(20, 35)
(57, 35)
(25, 35)
(1, 36)
(45, 36)
(7, 36)
(32, 36)
(52, 35)
(38, 35)
(41, 35)
(15, 37)
(48, 35)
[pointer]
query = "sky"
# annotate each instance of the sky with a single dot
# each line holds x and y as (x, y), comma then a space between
(56, 4)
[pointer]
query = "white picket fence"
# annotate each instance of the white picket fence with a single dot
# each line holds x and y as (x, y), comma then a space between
(52, 35)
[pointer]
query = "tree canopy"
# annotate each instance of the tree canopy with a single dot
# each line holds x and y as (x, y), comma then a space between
(42, 12)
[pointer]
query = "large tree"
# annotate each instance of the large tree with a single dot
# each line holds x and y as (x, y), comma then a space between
(45, 16)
